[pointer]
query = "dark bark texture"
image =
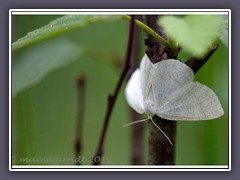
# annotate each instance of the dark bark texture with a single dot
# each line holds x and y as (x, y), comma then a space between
(160, 151)
(137, 129)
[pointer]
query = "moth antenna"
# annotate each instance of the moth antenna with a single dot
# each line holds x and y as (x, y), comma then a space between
(135, 122)
(161, 131)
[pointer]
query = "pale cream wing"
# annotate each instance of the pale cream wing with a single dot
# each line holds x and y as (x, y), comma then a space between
(168, 77)
(133, 92)
(194, 101)
(146, 69)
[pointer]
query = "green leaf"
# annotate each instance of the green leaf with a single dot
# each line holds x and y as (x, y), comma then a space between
(59, 26)
(39, 60)
(223, 30)
(194, 33)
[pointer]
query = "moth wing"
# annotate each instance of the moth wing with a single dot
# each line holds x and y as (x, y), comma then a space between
(194, 101)
(146, 69)
(133, 92)
(169, 76)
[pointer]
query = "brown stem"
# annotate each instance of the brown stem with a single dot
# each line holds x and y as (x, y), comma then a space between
(196, 63)
(153, 48)
(137, 129)
(160, 151)
(137, 140)
(111, 99)
(80, 114)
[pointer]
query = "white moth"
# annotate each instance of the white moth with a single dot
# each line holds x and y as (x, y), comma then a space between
(167, 89)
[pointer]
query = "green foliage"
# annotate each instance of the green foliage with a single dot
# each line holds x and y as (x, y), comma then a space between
(195, 33)
(41, 59)
(59, 26)
(223, 30)
(44, 115)
(206, 142)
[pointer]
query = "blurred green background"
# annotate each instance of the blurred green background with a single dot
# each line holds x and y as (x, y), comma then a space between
(44, 115)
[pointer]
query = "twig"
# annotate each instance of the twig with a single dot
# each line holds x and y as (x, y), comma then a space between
(111, 99)
(137, 140)
(80, 114)
(137, 129)
(196, 63)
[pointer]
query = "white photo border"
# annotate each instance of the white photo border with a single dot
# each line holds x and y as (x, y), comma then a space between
(117, 12)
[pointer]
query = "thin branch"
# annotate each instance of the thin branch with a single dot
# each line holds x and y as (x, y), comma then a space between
(111, 99)
(196, 63)
(137, 140)
(137, 129)
(80, 115)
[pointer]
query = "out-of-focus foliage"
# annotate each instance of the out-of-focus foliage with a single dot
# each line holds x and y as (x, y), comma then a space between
(223, 30)
(44, 115)
(194, 33)
(41, 59)
(59, 26)
(206, 142)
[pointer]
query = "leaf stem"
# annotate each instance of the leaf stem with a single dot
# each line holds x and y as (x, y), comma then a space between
(149, 30)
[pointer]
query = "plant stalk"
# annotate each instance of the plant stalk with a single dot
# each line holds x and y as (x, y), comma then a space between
(160, 151)
(112, 98)
(137, 130)
(80, 116)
